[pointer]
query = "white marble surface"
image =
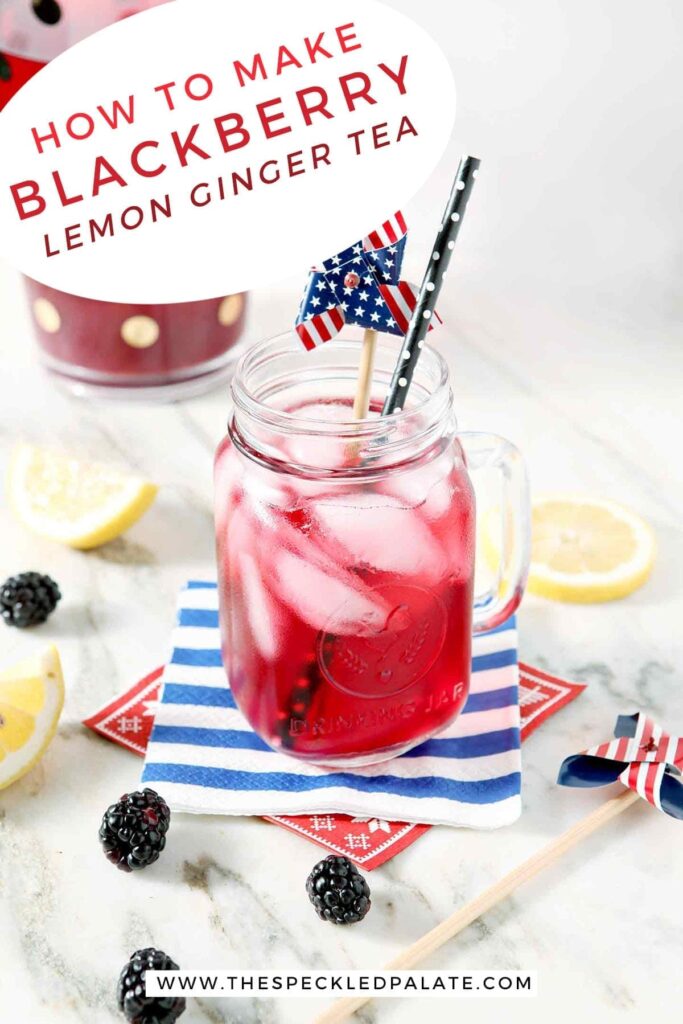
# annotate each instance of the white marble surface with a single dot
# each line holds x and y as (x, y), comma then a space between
(564, 334)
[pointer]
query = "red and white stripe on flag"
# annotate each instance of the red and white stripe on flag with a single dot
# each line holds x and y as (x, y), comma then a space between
(321, 328)
(650, 744)
(401, 300)
(389, 233)
(648, 753)
(646, 778)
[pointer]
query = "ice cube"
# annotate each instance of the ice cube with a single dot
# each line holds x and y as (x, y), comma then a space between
(336, 601)
(318, 452)
(227, 490)
(242, 535)
(261, 608)
(378, 531)
(323, 451)
(412, 485)
(267, 493)
(439, 499)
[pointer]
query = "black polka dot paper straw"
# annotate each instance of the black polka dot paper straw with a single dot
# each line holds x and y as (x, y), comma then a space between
(431, 284)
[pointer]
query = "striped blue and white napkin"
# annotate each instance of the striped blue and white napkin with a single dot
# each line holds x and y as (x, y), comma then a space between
(209, 760)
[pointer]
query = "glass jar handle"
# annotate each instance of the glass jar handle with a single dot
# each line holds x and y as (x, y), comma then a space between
(501, 486)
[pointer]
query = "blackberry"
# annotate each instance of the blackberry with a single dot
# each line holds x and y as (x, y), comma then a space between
(130, 991)
(338, 891)
(133, 831)
(48, 11)
(28, 599)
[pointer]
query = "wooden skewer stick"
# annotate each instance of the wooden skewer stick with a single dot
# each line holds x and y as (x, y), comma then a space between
(454, 924)
(361, 404)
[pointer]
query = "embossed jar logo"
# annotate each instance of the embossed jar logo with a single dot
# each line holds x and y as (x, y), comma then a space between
(386, 662)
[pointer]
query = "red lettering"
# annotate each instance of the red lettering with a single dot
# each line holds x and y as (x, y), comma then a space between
(51, 136)
(237, 128)
(307, 109)
(378, 134)
(138, 217)
(116, 110)
(346, 38)
(268, 119)
(356, 139)
(22, 202)
(405, 128)
(99, 179)
(135, 160)
(363, 93)
(63, 198)
(194, 194)
(183, 148)
(208, 87)
(317, 47)
(323, 158)
(89, 126)
(105, 228)
(399, 77)
(257, 68)
(295, 164)
(276, 172)
(164, 208)
(286, 59)
(73, 235)
(166, 89)
(246, 182)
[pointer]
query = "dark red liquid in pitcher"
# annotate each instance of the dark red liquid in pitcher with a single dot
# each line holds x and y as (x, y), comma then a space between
(346, 607)
(129, 345)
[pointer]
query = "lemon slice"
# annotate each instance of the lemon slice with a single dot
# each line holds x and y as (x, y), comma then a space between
(81, 504)
(31, 699)
(587, 549)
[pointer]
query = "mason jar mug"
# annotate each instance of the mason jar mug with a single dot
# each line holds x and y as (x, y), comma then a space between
(346, 552)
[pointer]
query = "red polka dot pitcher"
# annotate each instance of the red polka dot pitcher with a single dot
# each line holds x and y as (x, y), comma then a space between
(107, 347)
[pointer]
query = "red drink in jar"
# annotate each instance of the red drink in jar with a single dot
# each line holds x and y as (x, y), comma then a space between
(345, 557)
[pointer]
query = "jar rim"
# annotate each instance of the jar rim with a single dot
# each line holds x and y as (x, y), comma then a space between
(426, 410)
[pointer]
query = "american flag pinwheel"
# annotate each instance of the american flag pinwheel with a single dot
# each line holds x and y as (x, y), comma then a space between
(361, 285)
(641, 756)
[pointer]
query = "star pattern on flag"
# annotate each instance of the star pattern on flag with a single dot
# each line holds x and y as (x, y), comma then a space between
(360, 285)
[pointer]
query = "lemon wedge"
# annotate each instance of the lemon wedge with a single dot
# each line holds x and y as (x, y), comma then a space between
(81, 504)
(588, 549)
(31, 700)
